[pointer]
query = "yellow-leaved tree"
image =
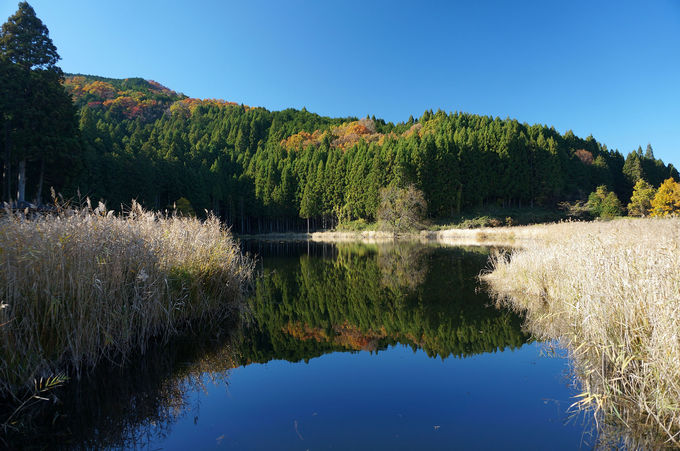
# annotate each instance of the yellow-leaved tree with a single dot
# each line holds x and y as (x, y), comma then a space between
(641, 200)
(666, 202)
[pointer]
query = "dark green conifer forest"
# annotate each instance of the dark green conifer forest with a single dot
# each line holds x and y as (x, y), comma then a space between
(268, 171)
(115, 140)
(37, 117)
(263, 171)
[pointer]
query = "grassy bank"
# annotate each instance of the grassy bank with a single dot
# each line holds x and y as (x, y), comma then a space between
(494, 216)
(82, 286)
(611, 293)
(488, 217)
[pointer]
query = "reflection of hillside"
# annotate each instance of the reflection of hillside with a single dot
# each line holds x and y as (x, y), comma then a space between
(368, 297)
(308, 302)
(344, 335)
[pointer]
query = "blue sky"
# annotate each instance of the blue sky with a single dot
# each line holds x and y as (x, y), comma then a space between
(610, 69)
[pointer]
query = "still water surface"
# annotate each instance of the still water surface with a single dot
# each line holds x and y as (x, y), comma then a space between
(347, 346)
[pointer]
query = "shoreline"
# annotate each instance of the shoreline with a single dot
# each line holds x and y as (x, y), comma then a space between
(609, 291)
(515, 236)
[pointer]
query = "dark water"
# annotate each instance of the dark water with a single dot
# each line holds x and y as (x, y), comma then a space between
(346, 347)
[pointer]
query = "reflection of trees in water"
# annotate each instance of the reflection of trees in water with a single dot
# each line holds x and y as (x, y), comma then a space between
(370, 296)
(402, 265)
(131, 406)
(343, 298)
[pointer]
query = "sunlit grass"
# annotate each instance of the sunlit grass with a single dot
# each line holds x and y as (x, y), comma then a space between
(85, 285)
(611, 292)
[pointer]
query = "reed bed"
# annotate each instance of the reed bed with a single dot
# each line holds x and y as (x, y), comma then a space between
(85, 285)
(611, 293)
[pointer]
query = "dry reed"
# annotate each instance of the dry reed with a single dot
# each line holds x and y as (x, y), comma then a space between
(85, 285)
(611, 293)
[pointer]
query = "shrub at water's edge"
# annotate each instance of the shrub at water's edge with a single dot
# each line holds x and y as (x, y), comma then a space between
(84, 285)
(611, 293)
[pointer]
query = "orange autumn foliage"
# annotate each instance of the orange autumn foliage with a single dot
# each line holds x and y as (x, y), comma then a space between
(302, 139)
(346, 335)
(343, 136)
(121, 105)
(352, 337)
(101, 89)
(133, 98)
(585, 156)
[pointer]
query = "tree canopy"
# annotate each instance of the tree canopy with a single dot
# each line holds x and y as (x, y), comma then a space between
(641, 200)
(603, 203)
(38, 117)
(262, 170)
(401, 209)
(266, 170)
(666, 202)
(25, 40)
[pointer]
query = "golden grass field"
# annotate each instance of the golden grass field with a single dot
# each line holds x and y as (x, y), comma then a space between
(610, 292)
(87, 285)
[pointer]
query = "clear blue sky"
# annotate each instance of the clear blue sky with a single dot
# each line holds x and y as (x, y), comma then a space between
(610, 69)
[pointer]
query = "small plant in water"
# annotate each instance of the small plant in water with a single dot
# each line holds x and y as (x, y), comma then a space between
(41, 388)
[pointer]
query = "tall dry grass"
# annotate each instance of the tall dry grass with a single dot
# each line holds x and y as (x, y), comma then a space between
(86, 285)
(611, 293)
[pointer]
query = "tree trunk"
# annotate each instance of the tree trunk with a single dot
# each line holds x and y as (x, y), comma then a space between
(40, 183)
(21, 182)
(8, 166)
(243, 225)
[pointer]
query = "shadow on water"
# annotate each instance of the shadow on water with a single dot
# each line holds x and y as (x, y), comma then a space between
(130, 406)
(309, 300)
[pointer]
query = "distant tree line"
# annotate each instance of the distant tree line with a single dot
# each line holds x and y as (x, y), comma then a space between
(266, 171)
(270, 171)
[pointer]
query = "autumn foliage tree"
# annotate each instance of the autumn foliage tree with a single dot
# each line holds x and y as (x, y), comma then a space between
(641, 200)
(666, 202)
(402, 209)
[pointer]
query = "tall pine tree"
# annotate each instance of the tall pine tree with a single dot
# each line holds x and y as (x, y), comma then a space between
(39, 119)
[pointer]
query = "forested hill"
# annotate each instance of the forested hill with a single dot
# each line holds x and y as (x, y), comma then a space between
(130, 97)
(264, 170)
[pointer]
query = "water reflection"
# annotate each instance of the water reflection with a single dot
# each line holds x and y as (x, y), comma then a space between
(132, 406)
(361, 297)
(310, 300)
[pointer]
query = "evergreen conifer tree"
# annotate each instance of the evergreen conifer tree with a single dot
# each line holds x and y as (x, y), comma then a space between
(40, 120)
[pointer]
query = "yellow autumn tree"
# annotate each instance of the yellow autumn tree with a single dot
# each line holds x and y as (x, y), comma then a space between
(641, 200)
(666, 202)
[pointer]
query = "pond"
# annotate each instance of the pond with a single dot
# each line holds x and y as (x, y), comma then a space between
(347, 346)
